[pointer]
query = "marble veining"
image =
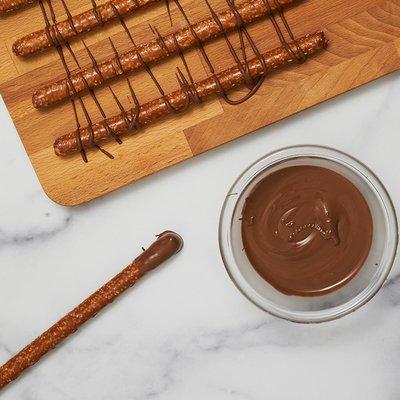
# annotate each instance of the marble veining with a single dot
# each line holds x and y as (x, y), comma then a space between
(185, 331)
(16, 239)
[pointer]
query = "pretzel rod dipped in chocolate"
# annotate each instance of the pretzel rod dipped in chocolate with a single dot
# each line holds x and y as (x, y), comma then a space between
(153, 51)
(180, 100)
(166, 245)
(12, 5)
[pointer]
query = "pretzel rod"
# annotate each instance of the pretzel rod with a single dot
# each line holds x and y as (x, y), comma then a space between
(76, 25)
(178, 100)
(12, 5)
(166, 245)
(153, 51)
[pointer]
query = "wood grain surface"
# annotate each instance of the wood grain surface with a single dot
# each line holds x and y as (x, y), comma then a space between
(364, 45)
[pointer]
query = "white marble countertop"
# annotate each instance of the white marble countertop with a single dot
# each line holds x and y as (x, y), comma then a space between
(186, 332)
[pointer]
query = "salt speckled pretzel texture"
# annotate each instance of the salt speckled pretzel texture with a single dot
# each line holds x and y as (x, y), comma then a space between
(12, 5)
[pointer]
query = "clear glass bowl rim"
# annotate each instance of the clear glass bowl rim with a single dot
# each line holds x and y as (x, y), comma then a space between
(285, 154)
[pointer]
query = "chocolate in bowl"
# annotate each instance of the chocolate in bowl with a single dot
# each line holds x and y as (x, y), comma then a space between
(306, 230)
(279, 280)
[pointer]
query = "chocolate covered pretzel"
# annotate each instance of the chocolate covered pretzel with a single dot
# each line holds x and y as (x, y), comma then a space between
(166, 245)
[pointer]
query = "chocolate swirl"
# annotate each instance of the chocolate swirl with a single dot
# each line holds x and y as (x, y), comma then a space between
(306, 230)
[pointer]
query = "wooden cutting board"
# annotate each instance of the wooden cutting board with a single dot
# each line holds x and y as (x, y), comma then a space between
(364, 45)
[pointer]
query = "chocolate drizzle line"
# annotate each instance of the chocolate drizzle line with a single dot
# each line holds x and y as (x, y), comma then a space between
(155, 50)
(189, 88)
(139, 56)
(243, 33)
(59, 41)
(74, 26)
(96, 13)
(228, 79)
(243, 66)
(253, 85)
(132, 122)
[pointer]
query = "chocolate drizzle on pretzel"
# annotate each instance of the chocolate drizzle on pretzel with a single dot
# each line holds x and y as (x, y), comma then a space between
(157, 108)
(74, 26)
(59, 43)
(189, 92)
(155, 50)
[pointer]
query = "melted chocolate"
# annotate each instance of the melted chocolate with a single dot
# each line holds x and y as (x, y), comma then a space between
(167, 244)
(306, 230)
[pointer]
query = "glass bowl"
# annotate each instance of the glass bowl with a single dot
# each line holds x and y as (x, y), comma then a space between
(348, 298)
